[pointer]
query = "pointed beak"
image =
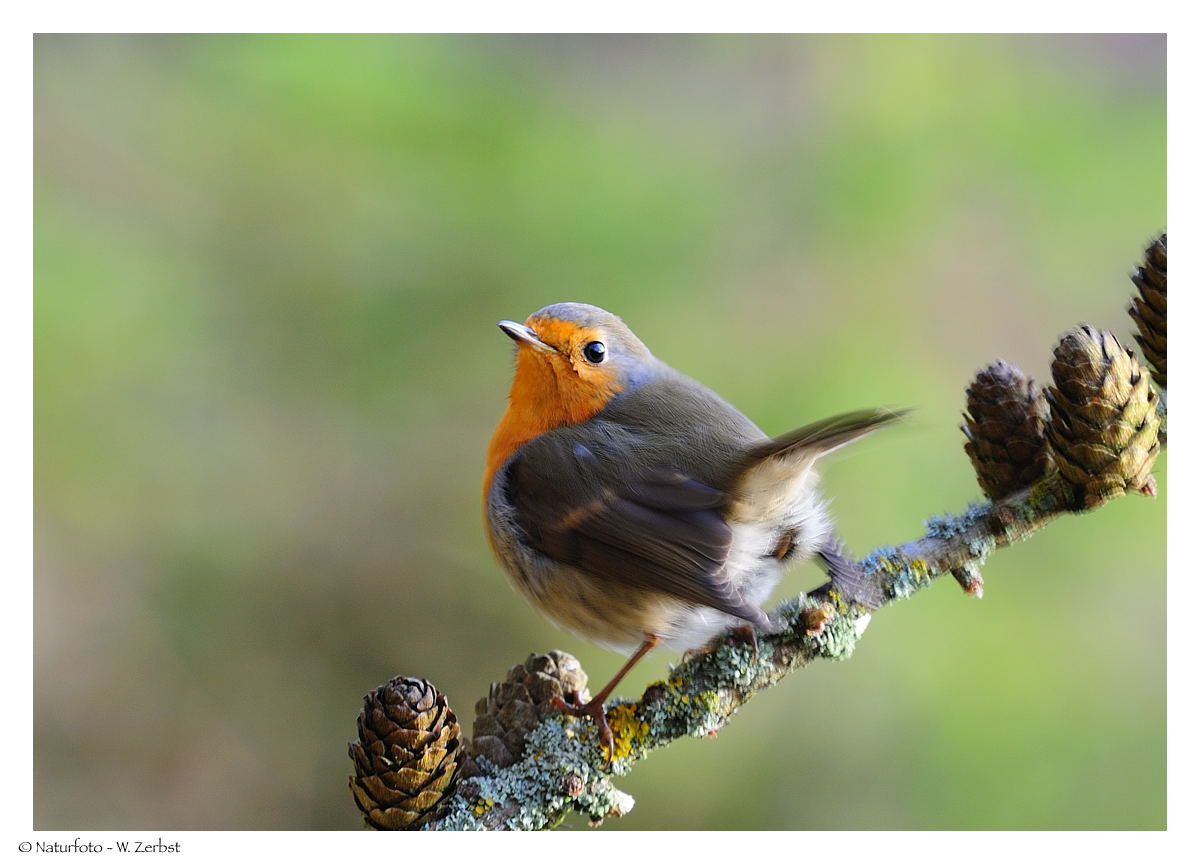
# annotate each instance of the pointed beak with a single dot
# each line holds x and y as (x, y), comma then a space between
(523, 335)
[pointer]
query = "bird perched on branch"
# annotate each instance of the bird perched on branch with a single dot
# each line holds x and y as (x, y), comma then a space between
(633, 505)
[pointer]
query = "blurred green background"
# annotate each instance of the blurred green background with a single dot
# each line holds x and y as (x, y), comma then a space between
(268, 271)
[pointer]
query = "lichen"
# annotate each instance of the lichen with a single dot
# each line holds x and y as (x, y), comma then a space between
(837, 639)
(882, 560)
(980, 548)
(951, 525)
(903, 576)
(629, 731)
(565, 770)
(679, 706)
(707, 716)
(533, 793)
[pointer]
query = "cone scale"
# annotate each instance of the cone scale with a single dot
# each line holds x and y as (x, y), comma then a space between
(1004, 424)
(517, 704)
(406, 756)
(1149, 308)
(1103, 430)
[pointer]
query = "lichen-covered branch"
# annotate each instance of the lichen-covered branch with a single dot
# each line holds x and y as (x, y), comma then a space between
(563, 767)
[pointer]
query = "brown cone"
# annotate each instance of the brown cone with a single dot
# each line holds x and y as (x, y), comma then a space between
(406, 755)
(518, 703)
(1005, 421)
(1149, 308)
(1103, 430)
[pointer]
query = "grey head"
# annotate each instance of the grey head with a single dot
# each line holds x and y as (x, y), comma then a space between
(588, 341)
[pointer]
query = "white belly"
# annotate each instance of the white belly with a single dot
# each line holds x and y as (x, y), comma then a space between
(752, 564)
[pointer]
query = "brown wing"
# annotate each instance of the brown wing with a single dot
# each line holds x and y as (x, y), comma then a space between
(594, 508)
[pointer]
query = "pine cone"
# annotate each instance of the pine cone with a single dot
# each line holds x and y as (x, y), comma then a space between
(1006, 417)
(1149, 310)
(406, 756)
(1103, 430)
(517, 704)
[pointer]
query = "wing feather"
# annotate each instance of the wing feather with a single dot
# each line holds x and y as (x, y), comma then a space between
(648, 527)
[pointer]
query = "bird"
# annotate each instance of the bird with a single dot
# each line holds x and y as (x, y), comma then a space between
(635, 507)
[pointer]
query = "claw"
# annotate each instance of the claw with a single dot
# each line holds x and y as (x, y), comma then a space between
(595, 710)
(815, 619)
(848, 578)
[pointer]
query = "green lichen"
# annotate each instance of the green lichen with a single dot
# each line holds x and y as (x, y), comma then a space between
(901, 576)
(565, 770)
(706, 715)
(838, 638)
(885, 559)
(681, 706)
(532, 794)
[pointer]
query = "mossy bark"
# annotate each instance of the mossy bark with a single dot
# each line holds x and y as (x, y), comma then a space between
(564, 767)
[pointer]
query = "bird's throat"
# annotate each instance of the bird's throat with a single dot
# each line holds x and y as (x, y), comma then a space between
(546, 394)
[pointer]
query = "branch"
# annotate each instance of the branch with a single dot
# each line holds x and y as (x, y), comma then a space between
(1090, 437)
(563, 764)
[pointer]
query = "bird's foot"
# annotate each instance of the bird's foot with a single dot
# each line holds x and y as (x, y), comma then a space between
(816, 618)
(593, 709)
(848, 578)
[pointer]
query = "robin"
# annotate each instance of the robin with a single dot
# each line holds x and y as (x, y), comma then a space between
(633, 506)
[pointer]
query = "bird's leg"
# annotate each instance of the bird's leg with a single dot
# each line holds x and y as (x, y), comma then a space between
(847, 577)
(595, 708)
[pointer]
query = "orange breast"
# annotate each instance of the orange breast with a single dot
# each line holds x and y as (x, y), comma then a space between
(546, 394)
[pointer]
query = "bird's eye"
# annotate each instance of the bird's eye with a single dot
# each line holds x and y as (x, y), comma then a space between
(595, 352)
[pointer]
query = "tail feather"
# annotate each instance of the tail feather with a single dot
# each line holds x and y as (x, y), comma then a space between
(825, 436)
(772, 473)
